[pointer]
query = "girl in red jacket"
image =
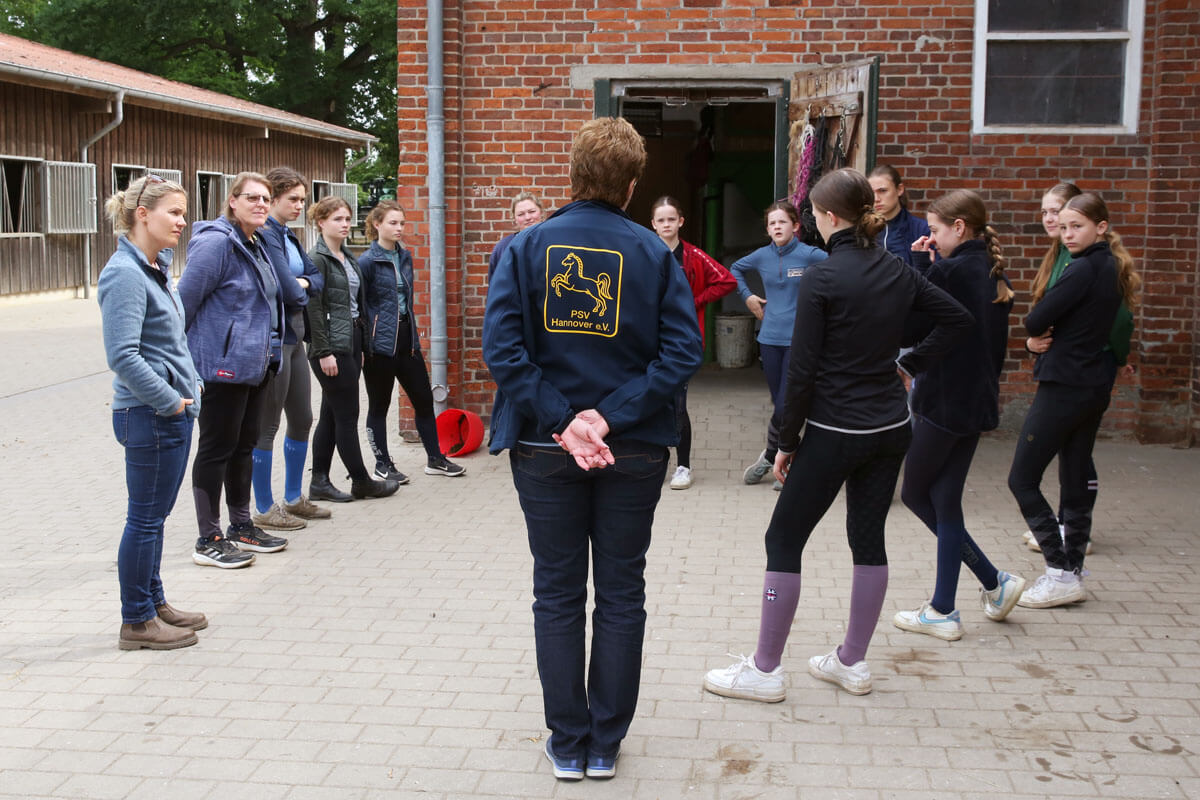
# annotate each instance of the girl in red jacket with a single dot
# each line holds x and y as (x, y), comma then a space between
(709, 281)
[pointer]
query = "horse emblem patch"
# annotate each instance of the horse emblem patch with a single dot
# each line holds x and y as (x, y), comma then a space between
(583, 290)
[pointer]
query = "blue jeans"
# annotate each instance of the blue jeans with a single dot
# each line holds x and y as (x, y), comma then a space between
(156, 452)
(775, 361)
(567, 512)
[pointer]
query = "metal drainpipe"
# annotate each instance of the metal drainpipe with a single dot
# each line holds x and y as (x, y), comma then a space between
(435, 121)
(118, 118)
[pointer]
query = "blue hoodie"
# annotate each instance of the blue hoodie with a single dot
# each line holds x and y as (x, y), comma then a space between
(228, 311)
(587, 310)
(275, 236)
(780, 269)
(144, 339)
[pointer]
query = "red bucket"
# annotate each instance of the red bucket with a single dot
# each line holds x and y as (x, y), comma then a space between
(459, 432)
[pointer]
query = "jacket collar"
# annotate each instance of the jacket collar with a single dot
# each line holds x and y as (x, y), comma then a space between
(901, 218)
(792, 244)
(162, 263)
(971, 244)
(585, 203)
(323, 249)
(379, 253)
(843, 240)
(1099, 246)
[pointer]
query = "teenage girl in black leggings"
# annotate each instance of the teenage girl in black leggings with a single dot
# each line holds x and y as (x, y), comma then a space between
(336, 322)
(843, 383)
(952, 403)
(394, 346)
(1074, 383)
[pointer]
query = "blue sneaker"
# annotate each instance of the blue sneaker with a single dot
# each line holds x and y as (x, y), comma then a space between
(999, 601)
(602, 766)
(926, 620)
(565, 769)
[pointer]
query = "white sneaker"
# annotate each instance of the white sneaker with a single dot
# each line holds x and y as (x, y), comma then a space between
(758, 470)
(999, 601)
(682, 478)
(745, 681)
(1056, 588)
(855, 679)
(1032, 543)
(927, 619)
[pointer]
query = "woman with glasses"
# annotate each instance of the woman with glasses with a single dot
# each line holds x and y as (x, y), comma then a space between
(234, 314)
(156, 395)
(290, 391)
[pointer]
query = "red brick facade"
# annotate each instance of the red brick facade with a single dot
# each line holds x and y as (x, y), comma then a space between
(518, 83)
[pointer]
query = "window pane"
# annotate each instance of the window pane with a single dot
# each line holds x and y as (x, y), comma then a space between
(1057, 15)
(1054, 83)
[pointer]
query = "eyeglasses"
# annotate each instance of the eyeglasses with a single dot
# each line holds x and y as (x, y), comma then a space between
(150, 178)
(257, 198)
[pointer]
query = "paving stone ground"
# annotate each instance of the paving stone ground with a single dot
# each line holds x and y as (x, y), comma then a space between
(388, 653)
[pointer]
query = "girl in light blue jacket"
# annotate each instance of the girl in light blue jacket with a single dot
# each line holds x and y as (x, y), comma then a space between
(156, 396)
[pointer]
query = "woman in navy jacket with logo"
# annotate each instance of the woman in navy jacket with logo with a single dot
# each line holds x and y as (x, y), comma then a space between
(235, 332)
(394, 345)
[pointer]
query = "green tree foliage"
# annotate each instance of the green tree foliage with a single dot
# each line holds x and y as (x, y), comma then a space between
(332, 60)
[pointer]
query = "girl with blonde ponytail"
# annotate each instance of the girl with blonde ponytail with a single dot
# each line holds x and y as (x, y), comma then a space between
(953, 403)
(1075, 375)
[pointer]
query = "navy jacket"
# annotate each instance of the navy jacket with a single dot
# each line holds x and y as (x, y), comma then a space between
(382, 292)
(588, 309)
(960, 393)
(226, 306)
(850, 316)
(275, 236)
(901, 231)
(1081, 307)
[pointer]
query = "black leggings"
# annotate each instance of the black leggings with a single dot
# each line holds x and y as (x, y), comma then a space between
(407, 366)
(338, 422)
(1062, 422)
(229, 419)
(868, 464)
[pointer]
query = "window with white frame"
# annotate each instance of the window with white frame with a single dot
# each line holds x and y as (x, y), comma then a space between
(19, 214)
(1057, 65)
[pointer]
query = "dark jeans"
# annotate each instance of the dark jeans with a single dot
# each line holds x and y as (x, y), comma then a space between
(1062, 421)
(868, 464)
(408, 367)
(683, 428)
(337, 424)
(569, 512)
(229, 418)
(156, 452)
(775, 364)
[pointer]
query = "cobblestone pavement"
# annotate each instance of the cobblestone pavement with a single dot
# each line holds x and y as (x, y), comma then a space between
(389, 652)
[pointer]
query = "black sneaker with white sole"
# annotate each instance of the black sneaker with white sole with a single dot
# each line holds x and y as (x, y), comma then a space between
(444, 466)
(248, 537)
(386, 471)
(220, 552)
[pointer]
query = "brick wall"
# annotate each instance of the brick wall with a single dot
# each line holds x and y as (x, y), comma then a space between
(511, 111)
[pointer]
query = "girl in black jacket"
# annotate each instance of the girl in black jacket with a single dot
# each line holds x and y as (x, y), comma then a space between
(1074, 383)
(842, 383)
(336, 323)
(953, 402)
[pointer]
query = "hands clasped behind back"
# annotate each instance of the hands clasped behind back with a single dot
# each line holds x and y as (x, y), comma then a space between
(583, 438)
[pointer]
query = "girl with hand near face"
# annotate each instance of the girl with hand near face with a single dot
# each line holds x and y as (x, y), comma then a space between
(891, 202)
(290, 390)
(1075, 377)
(156, 396)
(394, 347)
(954, 401)
(337, 324)
(235, 322)
(779, 265)
(709, 281)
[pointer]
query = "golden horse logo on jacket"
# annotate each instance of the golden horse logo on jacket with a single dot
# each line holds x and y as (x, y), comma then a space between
(583, 290)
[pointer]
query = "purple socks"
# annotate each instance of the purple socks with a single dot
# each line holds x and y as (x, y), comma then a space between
(866, 601)
(781, 594)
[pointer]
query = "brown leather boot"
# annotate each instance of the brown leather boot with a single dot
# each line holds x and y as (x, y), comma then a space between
(154, 634)
(181, 619)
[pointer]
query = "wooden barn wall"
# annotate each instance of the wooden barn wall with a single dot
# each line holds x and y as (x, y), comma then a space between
(45, 124)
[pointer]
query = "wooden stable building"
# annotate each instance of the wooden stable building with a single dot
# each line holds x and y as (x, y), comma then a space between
(1005, 98)
(73, 130)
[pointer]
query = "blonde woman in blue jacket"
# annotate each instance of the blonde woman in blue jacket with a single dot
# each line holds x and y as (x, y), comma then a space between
(156, 396)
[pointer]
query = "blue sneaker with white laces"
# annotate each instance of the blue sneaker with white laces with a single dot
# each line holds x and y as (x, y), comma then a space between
(602, 766)
(929, 621)
(565, 769)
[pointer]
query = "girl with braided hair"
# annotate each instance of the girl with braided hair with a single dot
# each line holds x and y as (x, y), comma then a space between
(952, 403)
